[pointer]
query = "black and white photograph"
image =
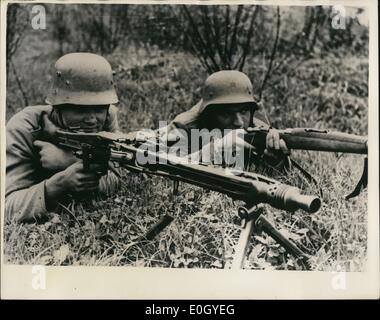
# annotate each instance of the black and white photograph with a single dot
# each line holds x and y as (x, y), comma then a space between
(205, 136)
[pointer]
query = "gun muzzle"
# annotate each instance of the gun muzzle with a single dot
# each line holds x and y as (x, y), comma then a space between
(290, 198)
(296, 201)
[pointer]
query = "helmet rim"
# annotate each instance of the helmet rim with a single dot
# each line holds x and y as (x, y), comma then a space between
(82, 78)
(83, 98)
(227, 87)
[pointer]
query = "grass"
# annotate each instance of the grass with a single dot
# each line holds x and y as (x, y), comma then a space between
(203, 233)
(325, 93)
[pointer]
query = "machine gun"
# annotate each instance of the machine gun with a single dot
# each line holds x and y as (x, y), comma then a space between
(317, 140)
(254, 189)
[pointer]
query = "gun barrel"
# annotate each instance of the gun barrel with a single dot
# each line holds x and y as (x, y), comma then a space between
(289, 198)
(310, 204)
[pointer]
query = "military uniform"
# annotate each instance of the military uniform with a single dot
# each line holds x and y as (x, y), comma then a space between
(229, 87)
(190, 120)
(226, 87)
(25, 177)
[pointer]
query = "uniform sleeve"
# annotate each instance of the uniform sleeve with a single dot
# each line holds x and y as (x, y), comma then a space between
(25, 193)
(187, 120)
(179, 129)
(110, 183)
(27, 204)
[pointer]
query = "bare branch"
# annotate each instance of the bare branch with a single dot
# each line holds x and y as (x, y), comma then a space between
(227, 30)
(16, 27)
(233, 39)
(203, 46)
(274, 49)
(249, 36)
(25, 98)
(217, 37)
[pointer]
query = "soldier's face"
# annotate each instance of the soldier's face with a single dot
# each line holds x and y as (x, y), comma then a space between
(233, 117)
(84, 118)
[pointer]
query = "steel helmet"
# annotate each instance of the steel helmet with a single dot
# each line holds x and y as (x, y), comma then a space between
(82, 79)
(227, 87)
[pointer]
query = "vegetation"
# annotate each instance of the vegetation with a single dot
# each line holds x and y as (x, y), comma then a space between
(305, 74)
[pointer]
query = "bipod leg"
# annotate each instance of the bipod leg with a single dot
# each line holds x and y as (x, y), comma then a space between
(247, 224)
(262, 223)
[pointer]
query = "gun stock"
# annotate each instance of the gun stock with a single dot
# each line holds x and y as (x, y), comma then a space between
(316, 140)
(312, 139)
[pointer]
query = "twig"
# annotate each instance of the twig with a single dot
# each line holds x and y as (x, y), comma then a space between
(206, 51)
(217, 38)
(249, 36)
(208, 34)
(246, 46)
(233, 39)
(227, 61)
(19, 84)
(197, 47)
(274, 49)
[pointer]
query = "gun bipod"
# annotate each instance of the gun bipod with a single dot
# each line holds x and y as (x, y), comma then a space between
(254, 219)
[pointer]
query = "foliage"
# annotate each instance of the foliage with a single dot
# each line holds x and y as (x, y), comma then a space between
(16, 26)
(221, 35)
(17, 21)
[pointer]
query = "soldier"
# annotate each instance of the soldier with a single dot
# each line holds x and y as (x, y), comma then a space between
(38, 173)
(227, 103)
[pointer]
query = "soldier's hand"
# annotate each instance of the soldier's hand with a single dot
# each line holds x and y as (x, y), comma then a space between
(71, 180)
(227, 149)
(234, 140)
(49, 129)
(275, 147)
(75, 179)
(52, 157)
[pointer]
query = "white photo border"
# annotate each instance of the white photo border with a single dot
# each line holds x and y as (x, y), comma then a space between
(19, 282)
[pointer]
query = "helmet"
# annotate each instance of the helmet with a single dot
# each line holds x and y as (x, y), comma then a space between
(227, 87)
(83, 79)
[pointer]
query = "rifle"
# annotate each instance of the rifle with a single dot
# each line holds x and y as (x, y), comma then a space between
(254, 189)
(317, 140)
